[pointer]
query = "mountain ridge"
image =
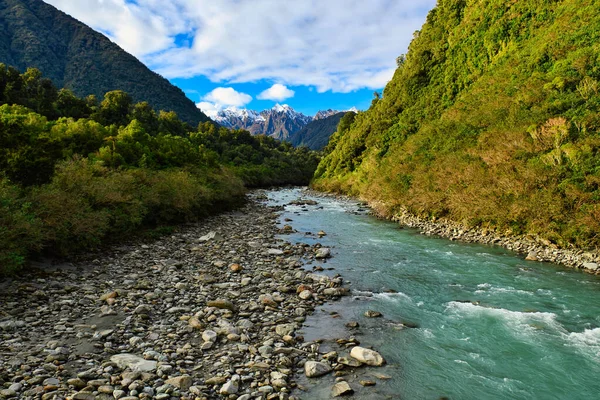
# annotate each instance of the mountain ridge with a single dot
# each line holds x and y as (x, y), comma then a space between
(74, 56)
(281, 122)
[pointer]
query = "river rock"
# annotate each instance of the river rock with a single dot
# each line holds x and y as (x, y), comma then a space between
(235, 268)
(532, 256)
(373, 314)
(349, 361)
(216, 380)
(323, 252)
(592, 266)
(210, 236)
(342, 388)
(285, 329)
(314, 369)
(133, 362)
(181, 382)
(223, 304)
(367, 356)
(231, 386)
(209, 336)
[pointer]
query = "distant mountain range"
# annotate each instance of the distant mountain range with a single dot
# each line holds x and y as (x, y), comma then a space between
(72, 55)
(279, 122)
(282, 122)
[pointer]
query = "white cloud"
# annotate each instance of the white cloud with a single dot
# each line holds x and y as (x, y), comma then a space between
(228, 97)
(210, 109)
(339, 45)
(277, 92)
(221, 98)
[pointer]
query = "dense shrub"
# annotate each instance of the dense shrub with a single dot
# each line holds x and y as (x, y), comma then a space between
(491, 119)
(72, 184)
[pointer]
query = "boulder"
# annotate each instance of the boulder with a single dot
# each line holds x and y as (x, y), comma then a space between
(210, 236)
(220, 303)
(209, 336)
(367, 356)
(342, 388)
(314, 369)
(285, 329)
(372, 314)
(181, 382)
(532, 256)
(592, 266)
(323, 252)
(133, 362)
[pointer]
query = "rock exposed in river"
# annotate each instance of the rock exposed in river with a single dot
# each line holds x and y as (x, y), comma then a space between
(314, 369)
(367, 356)
(373, 314)
(342, 388)
(323, 252)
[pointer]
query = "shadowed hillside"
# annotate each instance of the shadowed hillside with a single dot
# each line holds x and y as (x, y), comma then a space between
(72, 55)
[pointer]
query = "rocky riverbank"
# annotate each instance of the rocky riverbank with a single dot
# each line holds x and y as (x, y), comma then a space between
(208, 312)
(532, 248)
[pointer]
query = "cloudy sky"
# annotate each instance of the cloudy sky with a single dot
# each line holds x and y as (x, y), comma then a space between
(310, 54)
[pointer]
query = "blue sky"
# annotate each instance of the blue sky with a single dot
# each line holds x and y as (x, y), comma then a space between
(310, 54)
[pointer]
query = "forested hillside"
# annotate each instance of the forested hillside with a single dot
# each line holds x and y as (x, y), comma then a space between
(491, 119)
(76, 172)
(72, 55)
(316, 134)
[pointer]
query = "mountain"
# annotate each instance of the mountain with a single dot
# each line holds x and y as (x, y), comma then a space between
(72, 55)
(492, 120)
(278, 122)
(324, 114)
(316, 134)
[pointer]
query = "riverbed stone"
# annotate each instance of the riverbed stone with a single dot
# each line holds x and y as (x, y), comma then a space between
(592, 266)
(323, 252)
(367, 356)
(133, 362)
(314, 369)
(181, 382)
(221, 303)
(342, 388)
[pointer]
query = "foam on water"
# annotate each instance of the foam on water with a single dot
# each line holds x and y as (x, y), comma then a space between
(515, 320)
(587, 341)
(491, 289)
(392, 296)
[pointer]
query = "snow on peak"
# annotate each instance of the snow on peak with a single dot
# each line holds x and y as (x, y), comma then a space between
(353, 109)
(282, 108)
(325, 113)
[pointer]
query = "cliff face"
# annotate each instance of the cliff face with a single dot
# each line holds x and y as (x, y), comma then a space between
(72, 55)
(491, 119)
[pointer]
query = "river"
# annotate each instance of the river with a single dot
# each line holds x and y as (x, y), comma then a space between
(486, 324)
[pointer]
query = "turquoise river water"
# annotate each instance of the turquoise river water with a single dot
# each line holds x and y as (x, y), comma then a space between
(487, 324)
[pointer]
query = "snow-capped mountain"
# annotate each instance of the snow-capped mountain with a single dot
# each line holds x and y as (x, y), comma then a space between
(235, 118)
(280, 122)
(324, 114)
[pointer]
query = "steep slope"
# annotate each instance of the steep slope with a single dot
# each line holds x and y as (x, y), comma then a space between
(316, 134)
(278, 122)
(491, 119)
(35, 34)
